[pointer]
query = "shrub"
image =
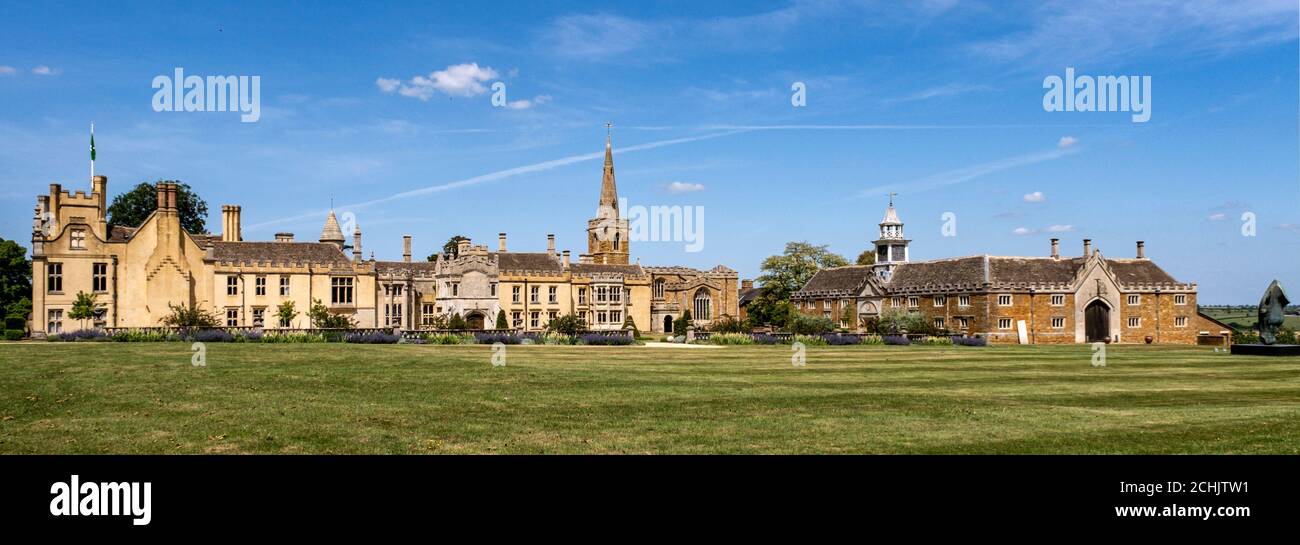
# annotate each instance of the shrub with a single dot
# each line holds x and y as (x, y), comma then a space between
(810, 325)
(13, 334)
(810, 340)
(296, 337)
(970, 341)
(601, 339)
(727, 339)
(138, 336)
(501, 320)
(936, 341)
(842, 340)
(1240, 336)
(682, 322)
(728, 325)
(764, 338)
(15, 322)
(493, 338)
(371, 337)
(211, 336)
(322, 318)
(449, 338)
(184, 316)
(897, 340)
(79, 336)
(1285, 335)
(569, 324)
(457, 322)
(873, 340)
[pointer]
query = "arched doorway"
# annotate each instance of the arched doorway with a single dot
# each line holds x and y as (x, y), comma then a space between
(474, 320)
(1096, 321)
(668, 324)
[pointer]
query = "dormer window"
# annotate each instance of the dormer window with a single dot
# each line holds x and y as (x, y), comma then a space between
(78, 240)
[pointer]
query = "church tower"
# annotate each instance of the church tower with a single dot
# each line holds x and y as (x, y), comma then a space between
(607, 232)
(891, 247)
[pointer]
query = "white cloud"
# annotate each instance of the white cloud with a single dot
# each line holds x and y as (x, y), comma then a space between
(960, 175)
(1066, 142)
(1036, 196)
(7, 70)
(1022, 231)
(684, 187)
(1060, 228)
(1218, 216)
(525, 104)
(457, 80)
(43, 70)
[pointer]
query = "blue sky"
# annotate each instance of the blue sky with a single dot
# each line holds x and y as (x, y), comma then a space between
(938, 100)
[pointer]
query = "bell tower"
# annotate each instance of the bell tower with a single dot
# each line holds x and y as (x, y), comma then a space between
(607, 232)
(891, 247)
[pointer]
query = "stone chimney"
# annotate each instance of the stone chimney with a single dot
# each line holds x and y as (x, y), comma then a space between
(1087, 247)
(747, 284)
(550, 244)
(99, 192)
(284, 237)
(162, 196)
(1056, 248)
(406, 248)
(230, 228)
(501, 242)
(356, 244)
(1142, 250)
(566, 259)
(462, 246)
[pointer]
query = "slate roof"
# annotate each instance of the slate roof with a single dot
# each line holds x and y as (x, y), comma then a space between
(396, 267)
(587, 269)
(837, 280)
(960, 270)
(528, 261)
(118, 233)
(280, 252)
(749, 295)
(1139, 271)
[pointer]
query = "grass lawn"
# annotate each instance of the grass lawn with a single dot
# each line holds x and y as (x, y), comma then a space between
(1246, 319)
(340, 398)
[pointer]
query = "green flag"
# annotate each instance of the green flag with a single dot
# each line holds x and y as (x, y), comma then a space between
(92, 144)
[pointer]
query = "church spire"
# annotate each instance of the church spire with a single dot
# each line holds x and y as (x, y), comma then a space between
(608, 188)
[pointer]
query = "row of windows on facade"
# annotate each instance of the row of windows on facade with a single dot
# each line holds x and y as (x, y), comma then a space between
(1004, 300)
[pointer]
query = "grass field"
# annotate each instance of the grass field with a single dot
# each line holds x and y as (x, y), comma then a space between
(1245, 319)
(340, 398)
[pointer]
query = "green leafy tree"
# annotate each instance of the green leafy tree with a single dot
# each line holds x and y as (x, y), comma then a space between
(192, 317)
(895, 321)
(568, 324)
(682, 322)
(286, 313)
(727, 324)
(83, 308)
(867, 257)
(785, 274)
(457, 322)
(849, 316)
(15, 279)
(804, 324)
(322, 318)
(131, 208)
(501, 320)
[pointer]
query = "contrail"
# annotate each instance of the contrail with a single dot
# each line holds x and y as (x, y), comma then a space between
(500, 175)
(953, 177)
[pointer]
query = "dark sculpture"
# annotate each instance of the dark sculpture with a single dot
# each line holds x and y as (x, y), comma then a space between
(1270, 312)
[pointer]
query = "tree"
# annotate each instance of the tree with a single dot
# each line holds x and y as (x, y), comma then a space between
(457, 322)
(451, 249)
(15, 279)
(682, 322)
(810, 325)
(569, 324)
(629, 322)
(867, 257)
(849, 316)
(501, 320)
(768, 309)
(786, 273)
(83, 308)
(131, 208)
(322, 318)
(190, 317)
(286, 313)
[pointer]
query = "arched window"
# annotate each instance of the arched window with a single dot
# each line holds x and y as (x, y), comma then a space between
(703, 305)
(617, 237)
(659, 289)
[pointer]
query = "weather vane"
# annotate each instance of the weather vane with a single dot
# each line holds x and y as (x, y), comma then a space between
(609, 127)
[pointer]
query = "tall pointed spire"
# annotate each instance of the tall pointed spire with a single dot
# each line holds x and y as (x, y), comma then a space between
(608, 188)
(332, 232)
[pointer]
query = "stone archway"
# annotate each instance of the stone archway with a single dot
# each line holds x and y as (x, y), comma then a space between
(668, 324)
(474, 320)
(1096, 318)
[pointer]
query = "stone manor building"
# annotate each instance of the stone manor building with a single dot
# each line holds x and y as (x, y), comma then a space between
(1049, 299)
(135, 272)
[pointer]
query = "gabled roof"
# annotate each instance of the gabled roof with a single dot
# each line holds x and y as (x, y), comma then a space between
(528, 261)
(588, 269)
(837, 281)
(1139, 271)
(749, 295)
(960, 270)
(280, 252)
(414, 267)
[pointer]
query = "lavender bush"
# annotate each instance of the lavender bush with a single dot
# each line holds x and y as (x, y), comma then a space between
(493, 338)
(970, 341)
(79, 335)
(609, 340)
(897, 340)
(373, 337)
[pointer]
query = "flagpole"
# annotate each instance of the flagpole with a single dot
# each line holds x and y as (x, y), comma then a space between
(92, 151)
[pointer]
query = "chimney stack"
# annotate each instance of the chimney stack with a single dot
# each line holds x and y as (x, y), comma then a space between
(162, 196)
(1142, 250)
(1087, 247)
(284, 237)
(550, 244)
(747, 284)
(406, 248)
(230, 228)
(1056, 248)
(356, 244)
(566, 259)
(501, 242)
